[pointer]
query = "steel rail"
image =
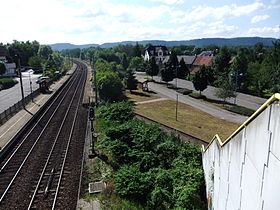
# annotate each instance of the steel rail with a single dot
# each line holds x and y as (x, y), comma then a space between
(54, 144)
(67, 149)
(30, 151)
(43, 115)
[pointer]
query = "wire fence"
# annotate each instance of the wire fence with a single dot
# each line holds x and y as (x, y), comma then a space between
(12, 110)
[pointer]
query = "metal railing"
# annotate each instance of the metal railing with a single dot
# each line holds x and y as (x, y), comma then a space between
(12, 110)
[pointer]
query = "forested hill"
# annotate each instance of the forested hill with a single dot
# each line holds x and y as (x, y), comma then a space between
(244, 41)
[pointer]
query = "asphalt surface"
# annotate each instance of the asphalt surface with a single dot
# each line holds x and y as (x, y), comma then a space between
(12, 95)
(206, 107)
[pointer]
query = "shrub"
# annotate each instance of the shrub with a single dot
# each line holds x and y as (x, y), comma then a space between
(241, 110)
(197, 96)
(6, 83)
(184, 91)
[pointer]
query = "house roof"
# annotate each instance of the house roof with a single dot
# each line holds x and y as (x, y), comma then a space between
(194, 70)
(189, 59)
(203, 60)
(153, 50)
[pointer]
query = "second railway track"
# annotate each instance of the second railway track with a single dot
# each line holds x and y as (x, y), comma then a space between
(42, 170)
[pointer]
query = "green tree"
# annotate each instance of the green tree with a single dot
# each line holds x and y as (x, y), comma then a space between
(221, 62)
(124, 61)
(167, 74)
(136, 63)
(200, 79)
(225, 90)
(109, 86)
(182, 70)
(36, 63)
(2, 68)
(45, 51)
(137, 50)
(152, 68)
(130, 81)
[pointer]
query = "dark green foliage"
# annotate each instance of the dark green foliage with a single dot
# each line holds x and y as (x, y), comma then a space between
(109, 87)
(130, 81)
(197, 96)
(152, 68)
(241, 110)
(137, 50)
(221, 61)
(184, 91)
(6, 83)
(182, 70)
(124, 61)
(200, 79)
(136, 64)
(35, 63)
(167, 74)
(45, 51)
(152, 168)
(225, 89)
(2, 68)
(22, 50)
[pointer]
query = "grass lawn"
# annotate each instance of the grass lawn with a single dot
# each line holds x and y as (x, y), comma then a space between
(139, 95)
(190, 120)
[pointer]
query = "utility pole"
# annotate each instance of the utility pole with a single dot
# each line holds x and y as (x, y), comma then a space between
(177, 107)
(95, 84)
(20, 78)
(236, 78)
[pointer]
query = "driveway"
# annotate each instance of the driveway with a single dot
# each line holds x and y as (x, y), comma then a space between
(206, 107)
(12, 95)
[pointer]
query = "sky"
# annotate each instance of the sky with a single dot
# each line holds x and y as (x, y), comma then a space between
(101, 21)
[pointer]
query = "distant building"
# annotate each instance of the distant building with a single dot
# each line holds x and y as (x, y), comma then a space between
(200, 61)
(189, 59)
(10, 67)
(159, 52)
(207, 53)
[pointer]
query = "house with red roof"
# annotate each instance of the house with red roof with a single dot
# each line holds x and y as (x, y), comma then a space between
(200, 61)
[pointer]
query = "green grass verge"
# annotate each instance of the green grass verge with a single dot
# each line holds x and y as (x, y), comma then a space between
(184, 91)
(6, 83)
(241, 110)
(197, 96)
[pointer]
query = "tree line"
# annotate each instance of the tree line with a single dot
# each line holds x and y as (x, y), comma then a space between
(41, 58)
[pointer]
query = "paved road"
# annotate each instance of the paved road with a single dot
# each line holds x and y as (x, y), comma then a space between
(12, 95)
(206, 107)
(245, 100)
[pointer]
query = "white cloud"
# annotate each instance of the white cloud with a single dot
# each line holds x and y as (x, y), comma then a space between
(264, 30)
(216, 13)
(169, 1)
(259, 18)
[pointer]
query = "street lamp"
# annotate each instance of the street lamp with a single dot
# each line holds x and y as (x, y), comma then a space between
(20, 78)
(30, 82)
(236, 83)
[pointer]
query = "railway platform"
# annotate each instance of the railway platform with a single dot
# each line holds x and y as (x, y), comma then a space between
(10, 128)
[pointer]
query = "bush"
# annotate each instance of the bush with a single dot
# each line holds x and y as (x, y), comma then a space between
(184, 91)
(241, 110)
(6, 83)
(152, 169)
(197, 96)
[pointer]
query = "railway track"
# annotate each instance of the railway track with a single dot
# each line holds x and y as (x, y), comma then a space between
(42, 169)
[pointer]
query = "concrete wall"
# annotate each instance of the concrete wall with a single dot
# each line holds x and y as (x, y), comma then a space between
(245, 172)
